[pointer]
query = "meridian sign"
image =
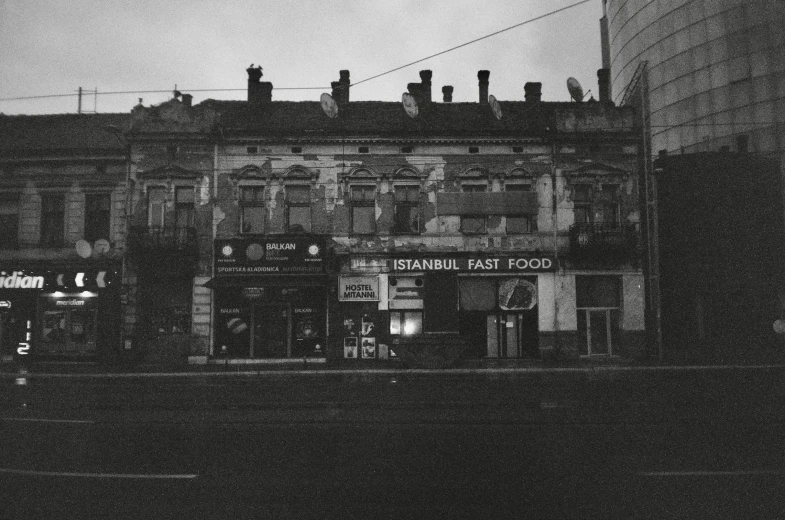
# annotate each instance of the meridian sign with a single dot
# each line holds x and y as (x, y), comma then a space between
(476, 264)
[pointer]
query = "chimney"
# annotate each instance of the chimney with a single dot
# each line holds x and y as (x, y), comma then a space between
(532, 91)
(415, 89)
(604, 82)
(483, 75)
(425, 81)
(447, 94)
(341, 88)
(254, 84)
(265, 92)
(187, 99)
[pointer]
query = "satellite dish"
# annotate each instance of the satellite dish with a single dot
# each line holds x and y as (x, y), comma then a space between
(84, 249)
(329, 105)
(101, 246)
(410, 105)
(576, 91)
(495, 106)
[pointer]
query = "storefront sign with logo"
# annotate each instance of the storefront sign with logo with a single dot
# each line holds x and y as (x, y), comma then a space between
(477, 264)
(20, 280)
(280, 255)
(358, 288)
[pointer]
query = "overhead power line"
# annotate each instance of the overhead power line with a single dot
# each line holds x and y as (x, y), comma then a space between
(20, 98)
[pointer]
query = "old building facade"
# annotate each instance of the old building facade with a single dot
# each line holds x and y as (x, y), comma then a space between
(62, 233)
(273, 230)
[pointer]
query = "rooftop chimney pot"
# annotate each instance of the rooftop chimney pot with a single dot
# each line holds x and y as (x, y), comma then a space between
(483, 76)
(447, 94)
(532, 91)
(187, 99)
(425, 82)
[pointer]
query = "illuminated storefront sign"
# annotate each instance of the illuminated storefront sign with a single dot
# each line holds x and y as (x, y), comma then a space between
(20, 280)
(281, 255)
(500, 264)
(358, 288)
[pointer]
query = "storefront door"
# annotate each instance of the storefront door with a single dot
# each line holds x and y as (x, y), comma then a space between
(271, 326)
(512, 335)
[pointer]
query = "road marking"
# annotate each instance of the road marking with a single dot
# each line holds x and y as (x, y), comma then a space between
(34, 419)
(391, 371)
(33, 473)
(704, 473)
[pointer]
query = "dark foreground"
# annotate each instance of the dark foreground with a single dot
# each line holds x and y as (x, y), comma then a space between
(626, 444)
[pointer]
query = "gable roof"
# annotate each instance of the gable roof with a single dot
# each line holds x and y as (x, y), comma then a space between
(387, 119)
(67, 134)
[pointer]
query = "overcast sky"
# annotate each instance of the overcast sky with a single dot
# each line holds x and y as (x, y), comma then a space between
(55, 46)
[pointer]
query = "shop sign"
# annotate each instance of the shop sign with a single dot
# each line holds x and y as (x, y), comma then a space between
(358, 288)
(5, 304)
(20, 280)
(477, 264)
(253, 293)
(280, 255)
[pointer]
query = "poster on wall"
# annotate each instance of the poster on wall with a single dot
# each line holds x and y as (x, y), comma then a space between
(350, 348)
(369, 348)
(517, 294)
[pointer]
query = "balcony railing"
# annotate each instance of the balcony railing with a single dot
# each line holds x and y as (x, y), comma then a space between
(616, 242)
(163, 242)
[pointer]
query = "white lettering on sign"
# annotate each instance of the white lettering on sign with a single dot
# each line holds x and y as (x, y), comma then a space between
(281, 247)
(24, 346)
(18, 280)
(76, 303)
(359, 288)
(426, 264)
(479, 264)
(529, 263)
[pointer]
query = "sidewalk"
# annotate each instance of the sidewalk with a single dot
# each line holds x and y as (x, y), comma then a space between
(371, 366)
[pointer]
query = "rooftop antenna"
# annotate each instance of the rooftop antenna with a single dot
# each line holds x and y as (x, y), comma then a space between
(329, 105)
(495, 107)
(410, 105)
(575, 89)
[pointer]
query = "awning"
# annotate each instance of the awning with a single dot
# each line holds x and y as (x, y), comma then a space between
(280, 280)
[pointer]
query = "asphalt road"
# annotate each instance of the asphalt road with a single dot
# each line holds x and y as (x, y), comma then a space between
(597, 444)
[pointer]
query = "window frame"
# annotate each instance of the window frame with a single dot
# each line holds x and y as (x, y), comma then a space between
(472, 187)
(163, 190)
(58, 237)
(9, 233)
(401, 319)
(93, 231)
(254, 202)
(363, 203)
(595, 203)
(407, 204)
(292, 188)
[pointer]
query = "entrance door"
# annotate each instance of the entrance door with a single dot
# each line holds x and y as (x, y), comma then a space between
(512, 335)
(271, 336)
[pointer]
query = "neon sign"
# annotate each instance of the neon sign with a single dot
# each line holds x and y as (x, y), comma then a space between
(18, 280)
(24, 346)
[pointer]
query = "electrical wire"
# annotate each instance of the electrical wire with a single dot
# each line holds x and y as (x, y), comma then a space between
(317, 88)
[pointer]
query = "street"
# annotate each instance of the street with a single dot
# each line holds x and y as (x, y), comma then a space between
(699, 443)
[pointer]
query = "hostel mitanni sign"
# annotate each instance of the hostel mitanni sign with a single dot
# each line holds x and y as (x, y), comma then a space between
(269, 255)
(358, 288)
(477, 264)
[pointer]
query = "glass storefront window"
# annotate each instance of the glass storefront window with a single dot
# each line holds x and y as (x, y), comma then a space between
(405, 323)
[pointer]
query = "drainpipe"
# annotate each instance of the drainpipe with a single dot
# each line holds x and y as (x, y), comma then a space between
(213, 229)
(555, 220)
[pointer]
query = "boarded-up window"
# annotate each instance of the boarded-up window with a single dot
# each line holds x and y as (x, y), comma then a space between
(477, 294)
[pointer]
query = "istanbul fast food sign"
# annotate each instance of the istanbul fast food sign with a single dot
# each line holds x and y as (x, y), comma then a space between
(477, 264)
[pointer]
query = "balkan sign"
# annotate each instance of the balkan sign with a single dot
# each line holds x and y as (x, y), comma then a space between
(477, 264)
(358, 288)
(267, 255)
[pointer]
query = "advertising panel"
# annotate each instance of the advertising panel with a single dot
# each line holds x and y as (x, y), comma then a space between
(477, 264)
(358, 288)
(268, 255)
